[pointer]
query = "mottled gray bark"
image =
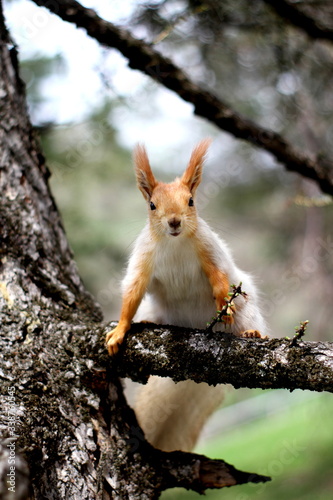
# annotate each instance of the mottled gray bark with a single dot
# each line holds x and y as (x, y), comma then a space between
(224, 359)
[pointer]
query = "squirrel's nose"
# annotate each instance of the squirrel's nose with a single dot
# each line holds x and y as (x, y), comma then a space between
(174, 223)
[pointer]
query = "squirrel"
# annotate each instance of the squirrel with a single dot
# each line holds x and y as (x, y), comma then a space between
(180, 273)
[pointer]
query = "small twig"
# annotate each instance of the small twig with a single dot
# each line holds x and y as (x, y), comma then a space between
(228, 308)
(177, 19)
(300, 332)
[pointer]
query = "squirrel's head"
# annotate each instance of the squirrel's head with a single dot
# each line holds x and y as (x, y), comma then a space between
(172, 210)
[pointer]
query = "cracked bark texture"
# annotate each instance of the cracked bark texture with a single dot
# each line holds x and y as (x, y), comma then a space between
(63, 415)
(224, 359)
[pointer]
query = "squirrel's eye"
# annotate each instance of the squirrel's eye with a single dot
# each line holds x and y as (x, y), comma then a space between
(152, 206)
(190, 202)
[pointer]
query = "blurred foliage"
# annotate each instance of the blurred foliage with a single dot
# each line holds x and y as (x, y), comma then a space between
(292, 444)
(91, 182)
(35, 72)
(250, 57)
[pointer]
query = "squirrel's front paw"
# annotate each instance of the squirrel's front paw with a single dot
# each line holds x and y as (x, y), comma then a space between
(252, 334)
(113, 339)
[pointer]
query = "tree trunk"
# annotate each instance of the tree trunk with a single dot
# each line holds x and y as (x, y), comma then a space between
(66, 430)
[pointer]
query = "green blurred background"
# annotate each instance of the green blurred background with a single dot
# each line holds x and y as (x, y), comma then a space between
(90, 109)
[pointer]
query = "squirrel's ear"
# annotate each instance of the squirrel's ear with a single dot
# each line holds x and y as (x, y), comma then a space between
(193, 173)
(144, 176)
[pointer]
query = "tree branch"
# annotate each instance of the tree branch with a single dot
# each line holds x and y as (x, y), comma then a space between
(296, 17)
(224, 359)
(143, 57)
(198, 473)
(74, 417)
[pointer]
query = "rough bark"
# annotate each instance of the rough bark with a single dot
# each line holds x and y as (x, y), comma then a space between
(143, 57)
(66, 430)
(73, 426)
(222, 358)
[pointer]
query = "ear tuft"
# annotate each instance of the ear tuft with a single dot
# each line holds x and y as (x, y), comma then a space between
(144, 175)
(193, 173)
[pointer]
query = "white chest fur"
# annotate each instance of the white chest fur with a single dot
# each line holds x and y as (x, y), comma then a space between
(179, 289)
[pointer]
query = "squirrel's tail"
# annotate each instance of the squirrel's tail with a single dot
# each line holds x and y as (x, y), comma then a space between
(173, 414)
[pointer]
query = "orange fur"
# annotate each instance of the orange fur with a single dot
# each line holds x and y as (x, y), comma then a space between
(252, 334)
(171, 202)
(218, 280)
(145, 177)
(192, 175)
(130, 303)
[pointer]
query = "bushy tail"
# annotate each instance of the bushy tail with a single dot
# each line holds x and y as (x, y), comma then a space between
(173, 414)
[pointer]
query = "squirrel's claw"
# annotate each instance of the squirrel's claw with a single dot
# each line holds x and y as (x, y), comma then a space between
(252, 334)
(113, 339)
